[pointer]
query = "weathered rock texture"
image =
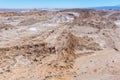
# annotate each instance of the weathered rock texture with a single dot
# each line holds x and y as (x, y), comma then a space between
(70, 44)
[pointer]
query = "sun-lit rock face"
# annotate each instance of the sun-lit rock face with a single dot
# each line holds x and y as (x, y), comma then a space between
(71, 44)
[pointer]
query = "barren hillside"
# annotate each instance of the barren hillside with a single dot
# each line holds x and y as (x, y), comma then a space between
(71, 44)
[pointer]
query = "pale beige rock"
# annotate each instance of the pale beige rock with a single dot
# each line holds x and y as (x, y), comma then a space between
(70, 44)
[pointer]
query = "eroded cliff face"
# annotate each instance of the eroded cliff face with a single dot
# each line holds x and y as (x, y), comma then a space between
(59, 45)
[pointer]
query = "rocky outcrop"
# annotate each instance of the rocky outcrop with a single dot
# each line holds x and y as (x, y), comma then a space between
(70, 44)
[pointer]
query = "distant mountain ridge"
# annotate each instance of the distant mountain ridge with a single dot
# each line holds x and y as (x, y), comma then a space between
(19, 10)
(117, 7)
(16, 10)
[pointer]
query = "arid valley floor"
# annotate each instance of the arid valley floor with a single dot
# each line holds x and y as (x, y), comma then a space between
(71, 44)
